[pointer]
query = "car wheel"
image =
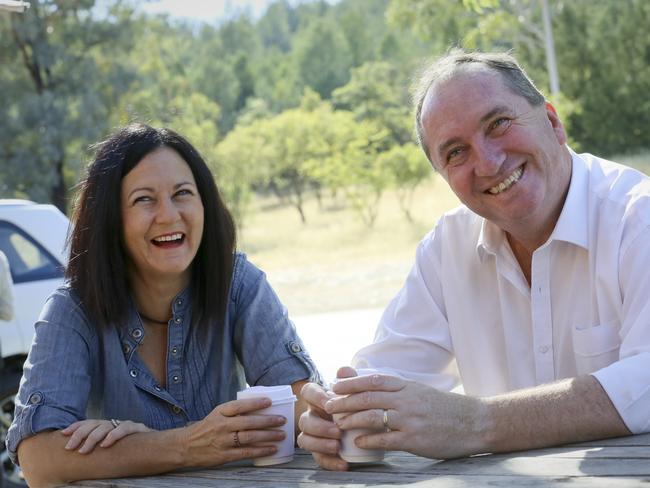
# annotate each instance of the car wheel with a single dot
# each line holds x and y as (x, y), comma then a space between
(12, 476)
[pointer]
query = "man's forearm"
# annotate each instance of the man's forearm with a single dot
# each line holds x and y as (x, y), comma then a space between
(572, 410)
(45, 461)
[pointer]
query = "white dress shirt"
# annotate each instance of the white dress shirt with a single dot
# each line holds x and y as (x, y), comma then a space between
(466, 315)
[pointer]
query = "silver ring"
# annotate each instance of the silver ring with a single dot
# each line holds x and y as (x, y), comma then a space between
(386, 426)
(235, 438)
(115, 423)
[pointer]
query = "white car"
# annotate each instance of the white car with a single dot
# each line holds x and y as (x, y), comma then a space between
(33, 237)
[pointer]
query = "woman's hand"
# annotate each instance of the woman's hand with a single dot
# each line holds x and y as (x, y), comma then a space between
(319, 434)
(232, 431)
(94, 431)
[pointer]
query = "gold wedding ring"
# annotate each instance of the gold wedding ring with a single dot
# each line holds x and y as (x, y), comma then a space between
(386, 427)
(235, 438)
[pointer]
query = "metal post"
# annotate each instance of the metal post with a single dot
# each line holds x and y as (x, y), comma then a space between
(550, 49)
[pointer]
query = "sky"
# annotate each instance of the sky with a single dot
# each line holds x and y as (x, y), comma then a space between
(208, 10)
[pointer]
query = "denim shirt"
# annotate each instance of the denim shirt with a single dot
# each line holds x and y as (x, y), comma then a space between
(75, 371)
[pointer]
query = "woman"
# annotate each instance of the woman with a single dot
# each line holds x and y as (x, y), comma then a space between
(159, 323)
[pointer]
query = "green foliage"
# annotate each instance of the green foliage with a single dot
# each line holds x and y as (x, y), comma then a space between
(604, 56)
(309, 98)
(408, 168)
(323, 56)
(53, 101)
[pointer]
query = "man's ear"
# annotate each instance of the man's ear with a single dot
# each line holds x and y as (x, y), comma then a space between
(556, 123)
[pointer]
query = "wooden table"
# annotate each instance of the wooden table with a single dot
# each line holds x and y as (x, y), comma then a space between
(613, 463)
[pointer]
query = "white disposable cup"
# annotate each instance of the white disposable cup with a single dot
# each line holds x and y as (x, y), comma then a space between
(283, 404)
(350, 452)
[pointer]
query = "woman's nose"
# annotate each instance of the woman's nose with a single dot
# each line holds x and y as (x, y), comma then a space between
(167, 211)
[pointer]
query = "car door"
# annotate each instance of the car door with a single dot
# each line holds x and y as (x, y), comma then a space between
(35, 273)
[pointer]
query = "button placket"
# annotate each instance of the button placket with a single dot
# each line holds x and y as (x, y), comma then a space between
(542, 316)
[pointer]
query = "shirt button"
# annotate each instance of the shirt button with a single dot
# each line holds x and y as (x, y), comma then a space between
(176, 409)
(157, 388)
(133, 373)
(179, 302)
(543, 349)
(178, 320)
(35, 398)
(136, 333)
(126, 348)
(174, 350)
(295, 347)
(176, 378)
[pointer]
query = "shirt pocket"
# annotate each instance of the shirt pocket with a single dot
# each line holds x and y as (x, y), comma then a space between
(596, 346)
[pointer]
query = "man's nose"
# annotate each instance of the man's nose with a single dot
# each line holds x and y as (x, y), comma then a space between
(489, 158)
(167, 211)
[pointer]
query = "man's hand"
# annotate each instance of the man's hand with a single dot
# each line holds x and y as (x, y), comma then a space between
(319, 434)
(421, 419)
(441, 425)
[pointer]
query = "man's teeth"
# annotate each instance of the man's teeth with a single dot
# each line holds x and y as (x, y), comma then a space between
(508, 182)
(171, 237)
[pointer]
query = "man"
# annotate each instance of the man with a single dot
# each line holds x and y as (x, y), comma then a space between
(532, 296)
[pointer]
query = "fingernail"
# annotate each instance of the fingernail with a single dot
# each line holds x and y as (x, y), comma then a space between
(68, 445)
(328, 405)
(282, 420)
(103, 444)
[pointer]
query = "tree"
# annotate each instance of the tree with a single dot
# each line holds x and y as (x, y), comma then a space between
(408, 167)
(51, 101)
(377, 91)
(323, 56)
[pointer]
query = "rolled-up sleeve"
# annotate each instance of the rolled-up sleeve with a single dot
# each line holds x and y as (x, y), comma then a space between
(56, 376)
(265, 339)
(627, 381)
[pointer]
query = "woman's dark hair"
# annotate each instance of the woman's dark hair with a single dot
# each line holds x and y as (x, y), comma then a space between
(97, 268)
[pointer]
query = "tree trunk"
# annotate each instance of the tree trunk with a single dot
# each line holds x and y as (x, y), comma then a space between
(59, 193)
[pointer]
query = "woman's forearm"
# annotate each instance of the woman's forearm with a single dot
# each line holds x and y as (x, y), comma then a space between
(46, 462)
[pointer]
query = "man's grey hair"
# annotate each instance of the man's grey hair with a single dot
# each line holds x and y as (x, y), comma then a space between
(447, 65)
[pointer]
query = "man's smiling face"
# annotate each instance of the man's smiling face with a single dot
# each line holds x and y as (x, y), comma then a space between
(504, 158)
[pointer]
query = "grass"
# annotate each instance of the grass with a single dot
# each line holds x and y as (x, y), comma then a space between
(334, 262)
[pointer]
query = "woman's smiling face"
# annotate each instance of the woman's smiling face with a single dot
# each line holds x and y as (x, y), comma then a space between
(162, 216)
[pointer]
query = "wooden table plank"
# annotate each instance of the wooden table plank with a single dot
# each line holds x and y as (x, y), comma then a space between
(615, 463)
(437, 482)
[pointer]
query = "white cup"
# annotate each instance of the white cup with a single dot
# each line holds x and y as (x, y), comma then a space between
(349, 450)
(283, 404)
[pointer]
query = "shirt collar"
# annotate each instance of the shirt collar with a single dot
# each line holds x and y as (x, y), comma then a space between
(572, 225)
(490, 239)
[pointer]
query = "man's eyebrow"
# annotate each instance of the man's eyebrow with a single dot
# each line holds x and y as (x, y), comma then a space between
(499, 109)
